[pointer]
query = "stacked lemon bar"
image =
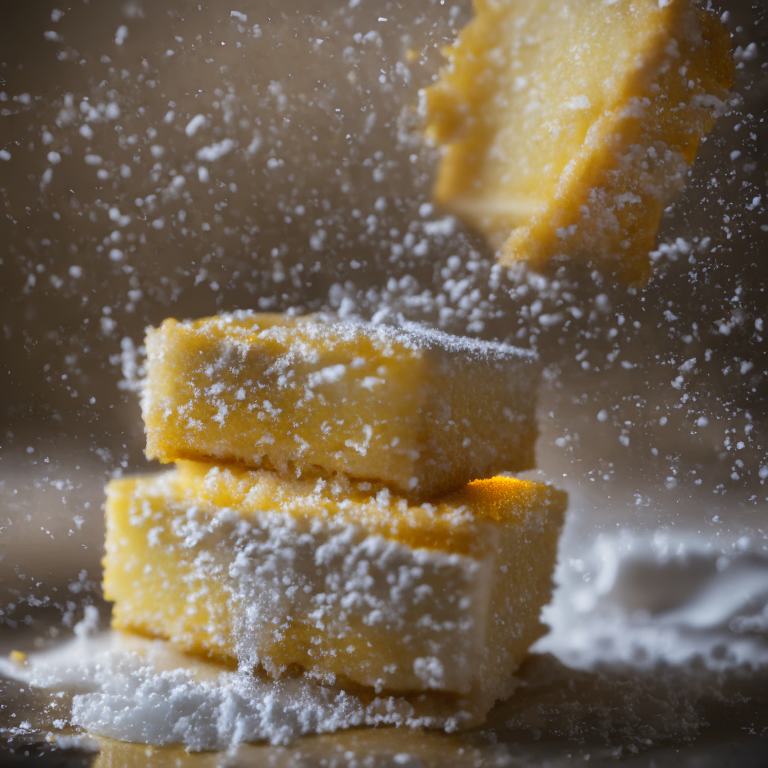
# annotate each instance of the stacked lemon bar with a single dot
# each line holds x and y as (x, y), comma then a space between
(336, 510)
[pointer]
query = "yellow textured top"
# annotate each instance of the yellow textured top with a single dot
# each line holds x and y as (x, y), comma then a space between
(419, 410)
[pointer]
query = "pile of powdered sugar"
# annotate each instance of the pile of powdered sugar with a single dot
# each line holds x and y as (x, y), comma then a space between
(133, 689)
(140, 704)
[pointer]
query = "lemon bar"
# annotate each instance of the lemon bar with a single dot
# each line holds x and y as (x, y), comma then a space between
(419, 410)
(341, 579)
(568, 127)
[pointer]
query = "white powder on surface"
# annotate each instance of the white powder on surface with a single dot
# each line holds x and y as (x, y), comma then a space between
(133, 689)
(171, 707)
(411, 335)
(675, 597)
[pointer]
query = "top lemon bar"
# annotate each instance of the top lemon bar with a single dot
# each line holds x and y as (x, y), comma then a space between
(419, 410)
(567, 127)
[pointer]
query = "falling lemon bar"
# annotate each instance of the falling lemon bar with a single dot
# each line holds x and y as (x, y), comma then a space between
(568, 127)
(419, 410)
(340, 579)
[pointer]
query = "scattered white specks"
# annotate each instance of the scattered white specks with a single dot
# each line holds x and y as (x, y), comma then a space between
(89, 625)
(256, 141)
(441, 228)
(550, 319)
(749, 53)
(317, 240)
(328, 375)
(195, 124)
(577, 102)
(45, 180)
(215, 151)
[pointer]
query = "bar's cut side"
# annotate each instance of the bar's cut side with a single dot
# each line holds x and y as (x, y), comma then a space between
(419, 410)
(341, 580)
(568, 127)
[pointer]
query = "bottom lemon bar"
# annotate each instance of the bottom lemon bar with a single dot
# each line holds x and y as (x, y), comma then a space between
(342, 580)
